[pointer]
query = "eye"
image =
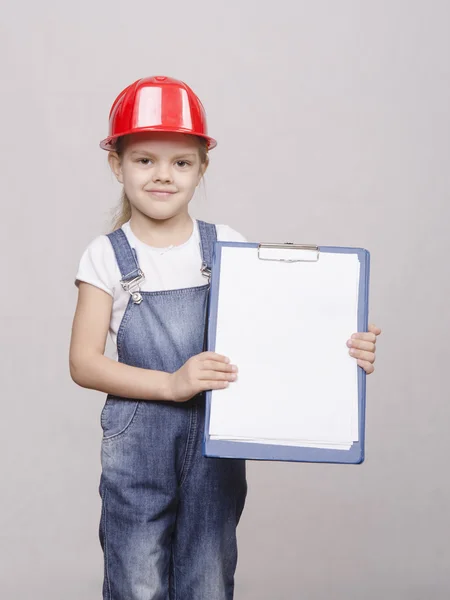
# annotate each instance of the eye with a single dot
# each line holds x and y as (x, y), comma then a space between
(143, 161)
(183, 163)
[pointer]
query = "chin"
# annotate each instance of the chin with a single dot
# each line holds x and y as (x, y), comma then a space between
(163, 213)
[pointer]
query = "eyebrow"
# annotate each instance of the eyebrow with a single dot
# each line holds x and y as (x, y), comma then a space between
(178, 156)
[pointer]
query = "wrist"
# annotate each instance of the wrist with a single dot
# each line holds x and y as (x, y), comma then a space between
(167, 391)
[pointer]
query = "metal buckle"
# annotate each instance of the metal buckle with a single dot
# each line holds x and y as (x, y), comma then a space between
(206, 271)
(133, 288)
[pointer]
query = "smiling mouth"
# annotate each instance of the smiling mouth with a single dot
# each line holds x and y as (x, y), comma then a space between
(160, 194)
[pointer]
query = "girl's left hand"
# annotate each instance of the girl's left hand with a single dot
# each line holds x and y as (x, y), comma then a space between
(363, 348)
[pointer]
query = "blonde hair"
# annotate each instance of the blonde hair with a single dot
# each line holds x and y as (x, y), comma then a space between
(123, 211)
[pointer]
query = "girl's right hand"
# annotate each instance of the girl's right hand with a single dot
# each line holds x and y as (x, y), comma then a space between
(205, 371)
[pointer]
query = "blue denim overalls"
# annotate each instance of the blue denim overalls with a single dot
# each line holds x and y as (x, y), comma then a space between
(169, 515)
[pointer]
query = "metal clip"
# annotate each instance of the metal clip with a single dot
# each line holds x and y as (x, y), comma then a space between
(309, 248)
(133, 288)
(206, 271)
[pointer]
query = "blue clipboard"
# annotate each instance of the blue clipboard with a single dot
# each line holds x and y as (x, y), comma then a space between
(258, 451)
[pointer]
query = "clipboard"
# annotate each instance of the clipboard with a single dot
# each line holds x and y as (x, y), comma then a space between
(287, 253)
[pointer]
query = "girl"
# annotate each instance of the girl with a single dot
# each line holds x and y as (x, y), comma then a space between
(169, 515)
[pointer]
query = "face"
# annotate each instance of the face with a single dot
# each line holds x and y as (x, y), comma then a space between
(159, 172)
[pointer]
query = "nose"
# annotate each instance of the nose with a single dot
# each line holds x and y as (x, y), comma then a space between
(162, 173)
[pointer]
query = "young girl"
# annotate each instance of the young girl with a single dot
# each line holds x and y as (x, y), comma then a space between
(169, 515)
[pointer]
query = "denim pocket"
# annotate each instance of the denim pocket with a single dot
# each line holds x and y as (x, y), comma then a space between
(117, 416)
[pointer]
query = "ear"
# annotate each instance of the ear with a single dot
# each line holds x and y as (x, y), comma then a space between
(116, 165)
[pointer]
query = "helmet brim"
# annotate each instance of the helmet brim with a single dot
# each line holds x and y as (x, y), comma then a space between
(109, 143)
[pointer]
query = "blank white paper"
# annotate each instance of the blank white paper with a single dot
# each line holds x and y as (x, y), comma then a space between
(286, 325)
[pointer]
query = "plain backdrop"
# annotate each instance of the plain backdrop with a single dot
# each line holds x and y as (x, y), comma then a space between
(334, 129)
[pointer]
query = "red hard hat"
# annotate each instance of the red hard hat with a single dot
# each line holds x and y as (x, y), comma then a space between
(156, 104)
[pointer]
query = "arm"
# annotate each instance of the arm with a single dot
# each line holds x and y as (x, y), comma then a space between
(89, 368)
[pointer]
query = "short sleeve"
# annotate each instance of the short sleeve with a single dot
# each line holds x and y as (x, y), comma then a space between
(227, 234)
(98, 266)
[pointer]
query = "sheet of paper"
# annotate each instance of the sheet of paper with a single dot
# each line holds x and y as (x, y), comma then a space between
(296, 443)
(286, 325)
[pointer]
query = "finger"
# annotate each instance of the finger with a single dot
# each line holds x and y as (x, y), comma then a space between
(364, 335)
(361, 345)
(363, 355)
(367, 366)
(214, 356)
(374, 329)
(214, 385)
(215, 365)
(217, 376)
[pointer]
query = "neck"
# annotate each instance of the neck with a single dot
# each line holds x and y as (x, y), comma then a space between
(161, 233)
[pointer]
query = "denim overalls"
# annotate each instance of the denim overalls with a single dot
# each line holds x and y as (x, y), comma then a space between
(169, 515)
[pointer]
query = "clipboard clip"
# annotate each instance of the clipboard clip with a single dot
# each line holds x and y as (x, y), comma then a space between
(308, 252)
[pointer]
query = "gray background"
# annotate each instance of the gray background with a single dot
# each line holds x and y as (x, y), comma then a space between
(333, 126)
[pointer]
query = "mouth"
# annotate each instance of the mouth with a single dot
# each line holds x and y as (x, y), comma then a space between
(161, 193)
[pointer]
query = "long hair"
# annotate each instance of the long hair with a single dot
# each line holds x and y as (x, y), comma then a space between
(123, 211)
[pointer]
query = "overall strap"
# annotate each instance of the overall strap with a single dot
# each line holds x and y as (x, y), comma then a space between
(208, 237)
(128, 264)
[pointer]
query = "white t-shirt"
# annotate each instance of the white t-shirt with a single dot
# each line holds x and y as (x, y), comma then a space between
(169, 268)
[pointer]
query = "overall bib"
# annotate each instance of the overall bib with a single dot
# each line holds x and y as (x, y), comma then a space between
(169, 515)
